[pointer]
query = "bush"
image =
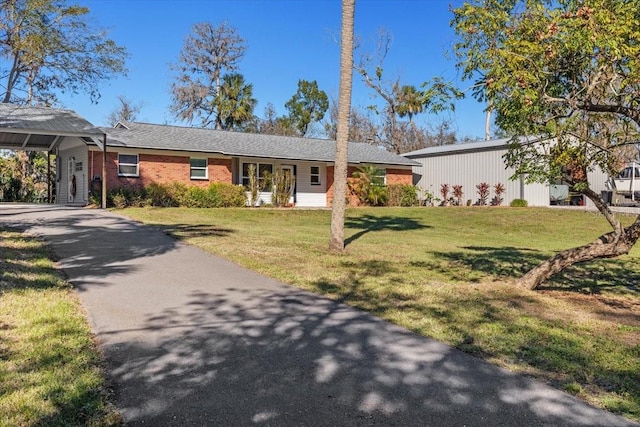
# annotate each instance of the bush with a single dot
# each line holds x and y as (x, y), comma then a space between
(178, 193)
(197, 197)
(377, 195)
(483, 193)
(402, 195)
(458, 193)
(519, 203)
(119, 200)
(230, 195)
(444, 192)
(499, 190)
(160, 195)
(122, 197)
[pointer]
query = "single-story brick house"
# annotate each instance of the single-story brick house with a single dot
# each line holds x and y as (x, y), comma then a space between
(135, 155)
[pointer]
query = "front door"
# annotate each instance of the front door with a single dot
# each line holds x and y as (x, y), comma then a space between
(290, 170)
(71, 177)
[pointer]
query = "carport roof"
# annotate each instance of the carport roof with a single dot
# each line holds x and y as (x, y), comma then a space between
(39, 128)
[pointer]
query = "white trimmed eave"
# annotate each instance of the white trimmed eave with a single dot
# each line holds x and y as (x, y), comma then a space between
(30, 133)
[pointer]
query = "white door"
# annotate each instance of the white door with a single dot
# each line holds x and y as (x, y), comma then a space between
(71, 177)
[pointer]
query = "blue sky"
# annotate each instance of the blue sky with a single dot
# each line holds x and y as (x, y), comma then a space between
(287, 40)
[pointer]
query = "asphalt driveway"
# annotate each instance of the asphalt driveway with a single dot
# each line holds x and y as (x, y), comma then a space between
(193, 340)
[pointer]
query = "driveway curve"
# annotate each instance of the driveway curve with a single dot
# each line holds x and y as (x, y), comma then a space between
(193, 340)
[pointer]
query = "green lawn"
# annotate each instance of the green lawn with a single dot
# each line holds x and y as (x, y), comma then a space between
(50, 371)
(447, 273)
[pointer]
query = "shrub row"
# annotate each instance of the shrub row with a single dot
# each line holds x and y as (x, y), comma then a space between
(217, 195)
(386, 195)
(483, 190)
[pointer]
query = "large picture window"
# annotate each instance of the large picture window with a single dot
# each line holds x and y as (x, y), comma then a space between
(128, 165)
(315, 175)
(199, 169)
(263, 169)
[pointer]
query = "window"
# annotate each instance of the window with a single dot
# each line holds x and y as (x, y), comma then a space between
(315, 175)
(127, 165)
(78, 166)
(379, 177)
(626, 173)
(263, 170)
(199, 169)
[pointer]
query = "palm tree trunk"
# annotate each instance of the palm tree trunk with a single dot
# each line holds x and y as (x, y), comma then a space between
(336, 242)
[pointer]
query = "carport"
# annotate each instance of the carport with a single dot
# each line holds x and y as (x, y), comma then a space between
(42, 129)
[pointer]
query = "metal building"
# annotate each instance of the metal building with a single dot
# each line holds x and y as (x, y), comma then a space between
(473, 163)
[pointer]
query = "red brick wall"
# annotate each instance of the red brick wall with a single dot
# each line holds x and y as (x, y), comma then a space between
(353, 199)
(399, 176)
(394, 176)
(161, 169)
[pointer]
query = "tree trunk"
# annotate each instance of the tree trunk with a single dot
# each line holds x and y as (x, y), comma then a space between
(11, 79)
(338, 207)
(610, 245)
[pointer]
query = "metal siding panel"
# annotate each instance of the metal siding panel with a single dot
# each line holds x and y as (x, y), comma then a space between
(468, 170)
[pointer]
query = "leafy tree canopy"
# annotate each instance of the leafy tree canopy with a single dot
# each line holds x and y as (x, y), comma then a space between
(235, 103)
(566, 72)
(50, 46)
(564, 69)
(307, 105)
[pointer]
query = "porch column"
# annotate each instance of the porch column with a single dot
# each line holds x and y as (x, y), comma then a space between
(104, 172)
(49, 177)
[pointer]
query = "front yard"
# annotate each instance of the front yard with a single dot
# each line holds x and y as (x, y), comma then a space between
(50, 370)
(446, 273)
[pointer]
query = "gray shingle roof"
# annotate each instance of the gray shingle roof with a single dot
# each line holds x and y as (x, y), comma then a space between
(43, 120)
(165, 137)
(36, 128)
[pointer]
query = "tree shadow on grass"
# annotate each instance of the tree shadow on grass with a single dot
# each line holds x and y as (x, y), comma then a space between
(615, 276)
(473, 264)
(21, 266)
(618, 276)
(93, 248)
(370, 223)
(186, 231)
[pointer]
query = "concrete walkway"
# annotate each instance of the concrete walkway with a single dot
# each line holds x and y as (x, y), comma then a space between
(193, 340)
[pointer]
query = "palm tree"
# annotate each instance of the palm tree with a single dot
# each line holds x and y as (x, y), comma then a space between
(411, 102)
(235, 103)
(338, 207)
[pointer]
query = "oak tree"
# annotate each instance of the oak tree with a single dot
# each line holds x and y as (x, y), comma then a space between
(125, 111)
(307, 105)
(51, 46)
(207, 55)
(564, 75)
